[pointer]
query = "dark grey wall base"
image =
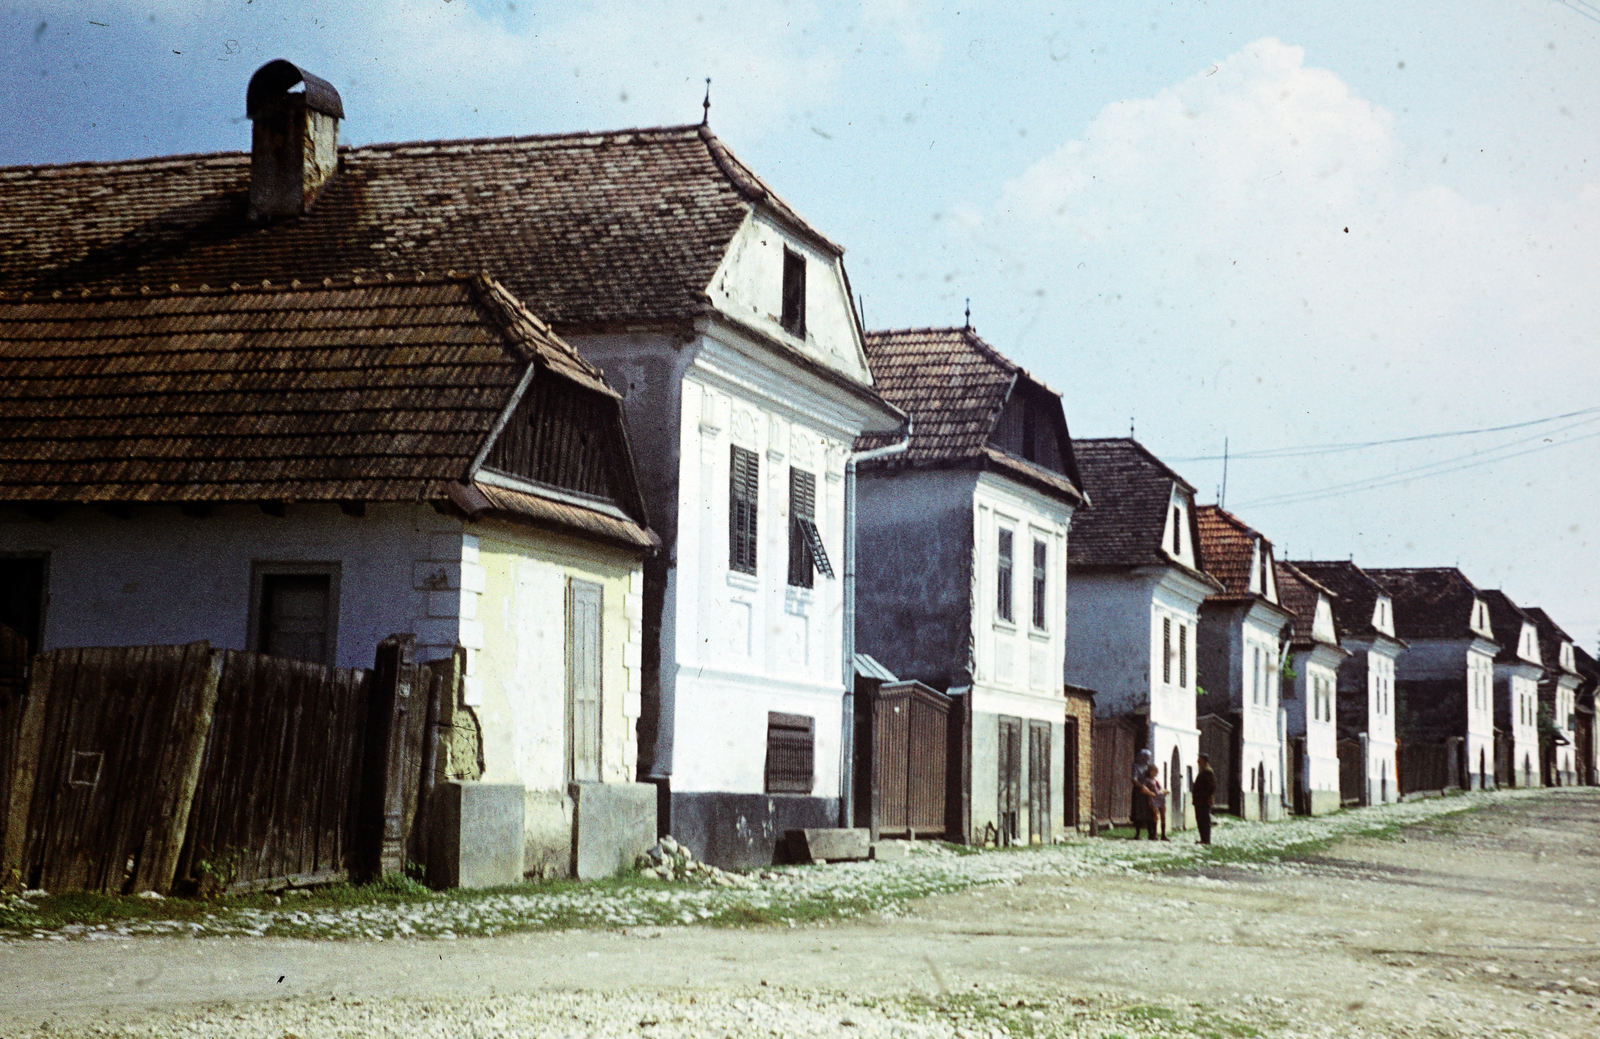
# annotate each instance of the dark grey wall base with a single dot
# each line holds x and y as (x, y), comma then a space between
(738, 830)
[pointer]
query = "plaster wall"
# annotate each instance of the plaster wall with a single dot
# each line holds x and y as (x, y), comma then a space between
(1321, 734)
(1516, 711)
(162, 577)
(1231, 636)
(1108, 639)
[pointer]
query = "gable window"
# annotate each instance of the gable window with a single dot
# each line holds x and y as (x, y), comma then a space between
(744, 481)
(791, 753)
(1166, 650)
(1183, 656)
(794, 294)
(1002, 604)
(296, 609)
(806, 554)
(583, 681)
(1177, 531)
(1040, 586)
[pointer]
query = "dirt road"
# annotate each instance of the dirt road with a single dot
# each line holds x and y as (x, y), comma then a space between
(1475, 924)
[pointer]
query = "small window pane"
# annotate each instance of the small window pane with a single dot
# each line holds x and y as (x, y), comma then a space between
(294, 616)
(1003, 589)
(793, 319)
(1040, 584)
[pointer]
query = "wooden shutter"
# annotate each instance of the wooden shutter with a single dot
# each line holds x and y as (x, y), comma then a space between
(744, 495)
(584, 686)
(791, 753)
(802, 514)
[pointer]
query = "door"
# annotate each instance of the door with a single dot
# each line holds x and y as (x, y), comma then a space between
(1010, 782)
(1039, 782)
(583, 681)
(1176, 794)
(1069, 777)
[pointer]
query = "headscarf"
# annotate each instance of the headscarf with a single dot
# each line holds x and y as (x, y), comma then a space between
(1141, 762)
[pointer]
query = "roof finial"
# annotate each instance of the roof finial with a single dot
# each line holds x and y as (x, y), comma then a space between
(705, 106)
(1130, 428)
(968, 325)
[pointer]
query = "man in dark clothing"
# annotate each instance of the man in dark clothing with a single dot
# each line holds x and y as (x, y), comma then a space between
(1204, 788)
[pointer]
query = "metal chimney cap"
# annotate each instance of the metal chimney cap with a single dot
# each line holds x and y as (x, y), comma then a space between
(274, 80)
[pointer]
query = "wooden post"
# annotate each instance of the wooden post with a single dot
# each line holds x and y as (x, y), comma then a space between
(196, 706)
(13, 855)
(380, 826)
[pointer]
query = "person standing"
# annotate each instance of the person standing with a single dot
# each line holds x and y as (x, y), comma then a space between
(1139, 813)
(1204, 789)
(1158, 800)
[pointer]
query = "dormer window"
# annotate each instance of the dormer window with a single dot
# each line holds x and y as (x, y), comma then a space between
(794, 294)
(1177, 532)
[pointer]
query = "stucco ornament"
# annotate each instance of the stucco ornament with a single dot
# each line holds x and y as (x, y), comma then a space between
(802, 449)
(744, 428)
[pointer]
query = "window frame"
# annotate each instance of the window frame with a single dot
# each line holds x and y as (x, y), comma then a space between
(1041, 585)
(744, 504)
(1166, 650)
(42, 606)
(1005, 565)
(262, 569)
(792, 310)
(807, 555)
(1183, 655)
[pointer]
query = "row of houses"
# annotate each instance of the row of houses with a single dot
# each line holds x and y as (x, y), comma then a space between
(597, 413)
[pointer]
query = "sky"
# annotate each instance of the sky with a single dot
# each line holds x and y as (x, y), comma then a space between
(1286, 228)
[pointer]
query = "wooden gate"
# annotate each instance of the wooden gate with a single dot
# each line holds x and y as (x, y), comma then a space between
(276, 799)
(1352, 773)
(907, 742)
(1424, 767)
(1300, 800)
(1111, 756)
(13, 703)
(1009, 808)
(107, 764)
(1218, 743)
(1039, 782)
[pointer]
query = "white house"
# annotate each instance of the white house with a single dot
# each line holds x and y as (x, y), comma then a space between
(1363, 618)
(1558, 693)
(1445, 679)
(1244, 630)
(1310, 699)
(302, 471)
(1134, 606)
(1518, 668)
(962, 549)
(723, 320)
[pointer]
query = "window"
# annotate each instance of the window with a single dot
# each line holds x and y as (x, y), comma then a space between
(1040, 586)
(791, 756)
(1258, 692)
(806, 554)
(1003, 583)
(743, 495)
(583, 681)
(1177, 531)
(1183, 656)
(22, 584)
(794, 294)
(1166, 650)
(296, 608)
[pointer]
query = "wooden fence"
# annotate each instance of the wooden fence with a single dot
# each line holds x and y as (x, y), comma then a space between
(907, 736)
(1113, 742)
(155, 767)
(1429, 767)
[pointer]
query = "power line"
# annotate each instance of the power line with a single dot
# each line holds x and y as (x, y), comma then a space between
(1405, 476)
(1582, 7)
(1309, 450)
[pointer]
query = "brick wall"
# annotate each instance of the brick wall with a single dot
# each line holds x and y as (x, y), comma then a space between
(1080, 708)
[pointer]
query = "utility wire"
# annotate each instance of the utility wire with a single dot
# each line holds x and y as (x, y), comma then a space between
(1309, 450)
(1405, 476)
(1582, 7)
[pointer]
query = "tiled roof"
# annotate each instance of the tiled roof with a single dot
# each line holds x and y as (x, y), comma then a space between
(587, 229)
(955, 386)
(1551, 636)
(1130, 490)
(1357, 594)
(1429, 602)
(1227, 547)
(369, 392)
(1298, 593)
(1506, 619)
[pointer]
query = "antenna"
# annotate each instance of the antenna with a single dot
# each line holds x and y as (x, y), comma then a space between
(705, 106)
(1222, 499)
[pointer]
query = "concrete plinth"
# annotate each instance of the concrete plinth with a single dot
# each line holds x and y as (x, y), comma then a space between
(477, 835)
(613, 823)
(834, 845)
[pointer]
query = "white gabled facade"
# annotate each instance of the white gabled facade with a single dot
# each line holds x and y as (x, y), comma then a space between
(1378, 653)
(1516, 687)
(1311, 702)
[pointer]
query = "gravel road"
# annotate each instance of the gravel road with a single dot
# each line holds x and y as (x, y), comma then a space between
(1470, 924)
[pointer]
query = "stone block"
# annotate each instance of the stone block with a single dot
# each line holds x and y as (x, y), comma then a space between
(830, 845)
(476, 839)
(614, 824)
(889, 851)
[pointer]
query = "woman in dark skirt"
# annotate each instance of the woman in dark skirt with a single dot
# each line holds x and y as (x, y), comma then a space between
(1139, 813)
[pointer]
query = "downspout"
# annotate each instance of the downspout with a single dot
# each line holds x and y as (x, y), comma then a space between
(847, 728)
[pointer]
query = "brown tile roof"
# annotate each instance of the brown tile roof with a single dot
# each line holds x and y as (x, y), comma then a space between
(1227, 547)
(1357, 594)
(1505, 618)
(587, 229)
(1429, 602)
(350, 392)
(955, 386)
(1298, 593)
(1130, 490)
(1551, 636)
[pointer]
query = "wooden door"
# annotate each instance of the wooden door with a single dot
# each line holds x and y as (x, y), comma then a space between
(1069, 776)
(1010, 781)
(1039, 782)
(583, 681)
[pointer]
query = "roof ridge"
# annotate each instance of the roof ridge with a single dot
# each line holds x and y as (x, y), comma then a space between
(264, 287)
(599, 137)
(185, 157)
(1302, 576)
(753, 189)
(1148, 454)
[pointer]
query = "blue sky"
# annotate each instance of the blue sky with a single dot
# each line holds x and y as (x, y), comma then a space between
(1283, 224)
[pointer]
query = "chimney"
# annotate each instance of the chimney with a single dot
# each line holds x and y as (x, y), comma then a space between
(294, 140)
